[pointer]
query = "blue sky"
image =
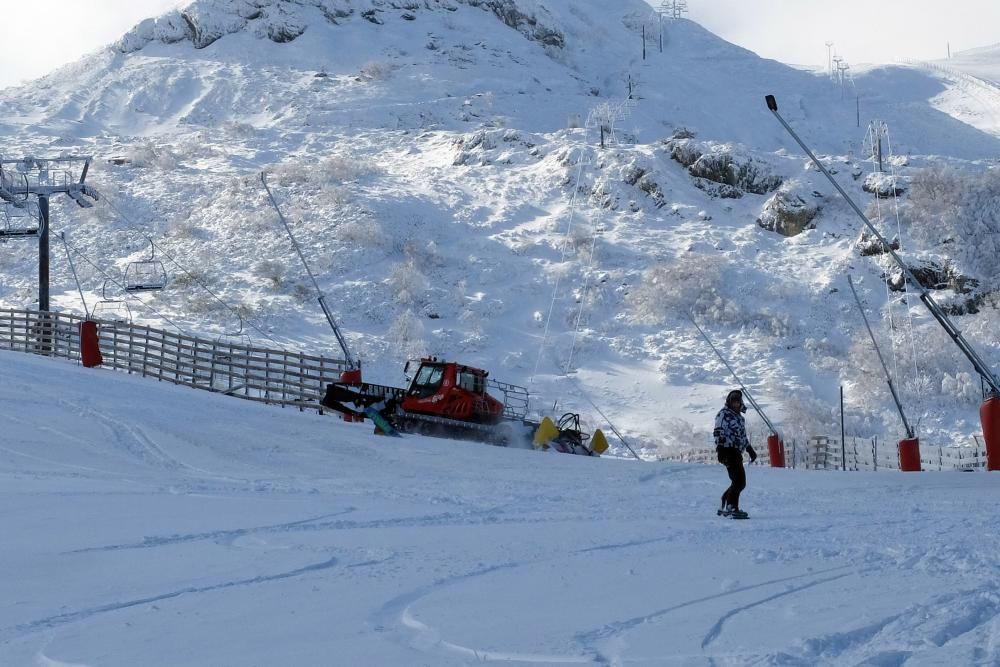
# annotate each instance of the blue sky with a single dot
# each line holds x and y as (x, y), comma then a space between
(38, 36)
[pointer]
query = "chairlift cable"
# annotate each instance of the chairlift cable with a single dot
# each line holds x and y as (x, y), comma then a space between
(875, 131)
(586, 289)
(191, 276)
(562, 259)
(122, 287)
(899, 236)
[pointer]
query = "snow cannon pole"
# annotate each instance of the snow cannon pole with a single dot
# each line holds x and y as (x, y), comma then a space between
(775, 444)
(885, 369)
(989, 411)
(321, 298)
(909, 447)
(600, 412)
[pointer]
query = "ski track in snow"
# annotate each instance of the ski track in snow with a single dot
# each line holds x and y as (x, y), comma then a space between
(716, 629)
(397, 612)
(228, 535)
(57, 620)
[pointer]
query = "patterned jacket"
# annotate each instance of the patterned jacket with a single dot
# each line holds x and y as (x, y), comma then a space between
(730, 430)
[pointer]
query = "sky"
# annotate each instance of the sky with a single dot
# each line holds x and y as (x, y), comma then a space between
(791, 31)
(862, 31)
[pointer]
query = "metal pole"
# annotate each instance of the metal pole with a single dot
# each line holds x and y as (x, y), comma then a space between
(69, 258)
(843, 447)
(932, 305)
(885, 369)
(746, 392)
(43, 252)
(321, 298)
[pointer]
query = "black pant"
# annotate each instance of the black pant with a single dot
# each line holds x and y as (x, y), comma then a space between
(732, 458)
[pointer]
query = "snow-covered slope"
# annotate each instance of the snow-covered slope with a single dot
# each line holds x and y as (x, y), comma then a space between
(441, 162)
(149, 524)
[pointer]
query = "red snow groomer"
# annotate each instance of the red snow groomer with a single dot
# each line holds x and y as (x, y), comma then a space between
(451, 400)
(444, 398)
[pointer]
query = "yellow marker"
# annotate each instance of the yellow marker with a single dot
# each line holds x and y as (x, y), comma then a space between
(547, 430)
(598, 443)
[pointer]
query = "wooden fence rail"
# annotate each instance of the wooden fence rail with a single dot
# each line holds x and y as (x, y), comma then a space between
(232, 367)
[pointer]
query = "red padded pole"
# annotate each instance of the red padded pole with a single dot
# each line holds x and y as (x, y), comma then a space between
(909, 455)
(90, 348)
(776, 451)
(989, 415)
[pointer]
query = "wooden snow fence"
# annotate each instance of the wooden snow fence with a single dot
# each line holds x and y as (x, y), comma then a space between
(235, 368)
(824, 453)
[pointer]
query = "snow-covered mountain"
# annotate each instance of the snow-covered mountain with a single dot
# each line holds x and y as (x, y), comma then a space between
(442, 163)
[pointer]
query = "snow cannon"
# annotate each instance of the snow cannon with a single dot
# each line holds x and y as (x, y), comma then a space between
(776, 451)
(909, 455)
(989, 415)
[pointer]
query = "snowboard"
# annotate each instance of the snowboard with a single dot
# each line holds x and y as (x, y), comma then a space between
(381, 422)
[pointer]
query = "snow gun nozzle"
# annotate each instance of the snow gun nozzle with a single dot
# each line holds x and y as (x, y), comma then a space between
(772, 103)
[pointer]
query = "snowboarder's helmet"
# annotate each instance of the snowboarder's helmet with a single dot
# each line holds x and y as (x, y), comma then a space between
(736, 396)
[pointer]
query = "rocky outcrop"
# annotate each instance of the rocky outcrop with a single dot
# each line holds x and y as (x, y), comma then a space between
(524, 22)
(721, 169)
(883, 185)
(204, 22)
(788, 212)
(934, 275)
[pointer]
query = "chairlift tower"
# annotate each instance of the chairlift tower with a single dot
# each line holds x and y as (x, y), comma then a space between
(32, 181)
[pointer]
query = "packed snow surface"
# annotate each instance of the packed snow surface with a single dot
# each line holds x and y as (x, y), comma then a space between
(149, 524)
(441, 165)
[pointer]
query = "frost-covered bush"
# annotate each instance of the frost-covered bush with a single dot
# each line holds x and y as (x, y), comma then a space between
(705, 286)
(338, 169)
(146, 154)
(195, 276)
(960, 213)
(363, 233)
(272, 271)
(406, 335)
(406, 283)
(690, 284)
(375, 71)
(680, 434)
(239, 129)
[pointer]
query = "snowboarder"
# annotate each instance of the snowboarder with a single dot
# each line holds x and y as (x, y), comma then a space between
(730, 442)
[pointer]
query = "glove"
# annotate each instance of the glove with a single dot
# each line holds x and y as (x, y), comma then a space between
(752, 453)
